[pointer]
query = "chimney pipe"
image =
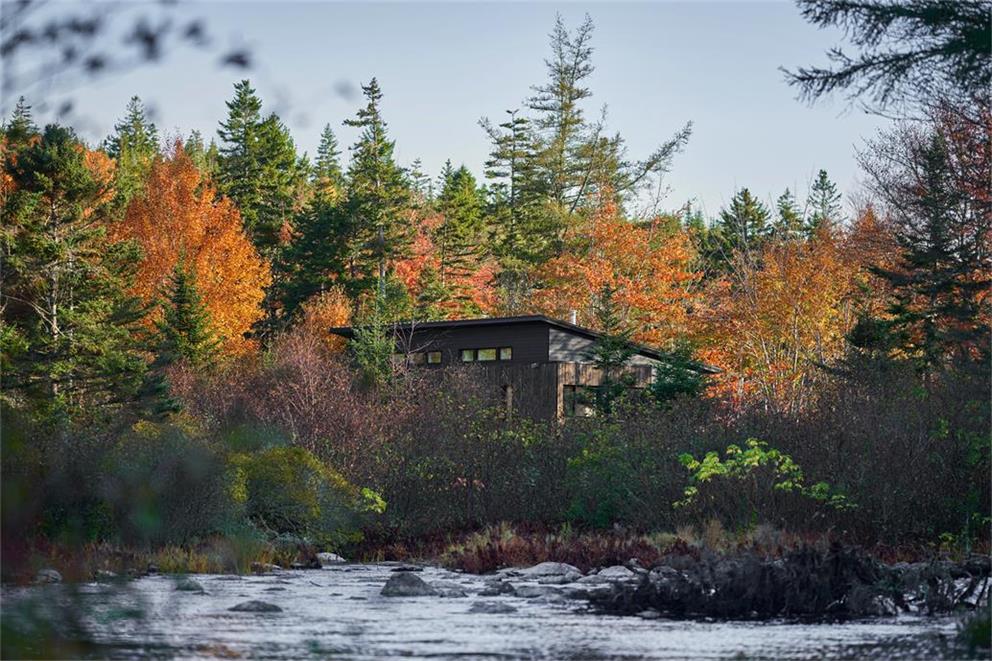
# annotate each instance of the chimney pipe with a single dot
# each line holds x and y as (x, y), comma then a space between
(573, 317)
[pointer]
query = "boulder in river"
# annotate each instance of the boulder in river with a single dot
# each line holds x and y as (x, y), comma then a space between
(326, 559)
(449, 589)
(546, 569)
(491, 608)
(47, 575)
(610, 574)
(187, 584)
(255, 606)
(407, 584)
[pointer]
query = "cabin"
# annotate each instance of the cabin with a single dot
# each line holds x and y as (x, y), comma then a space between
(543, 367)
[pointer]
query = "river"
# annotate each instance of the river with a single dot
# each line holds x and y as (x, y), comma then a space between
(338, 612)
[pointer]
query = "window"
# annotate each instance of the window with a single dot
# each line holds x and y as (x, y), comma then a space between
(417, 358)
(506, 353)
(433, 357)
(468, 355)
(485, 355)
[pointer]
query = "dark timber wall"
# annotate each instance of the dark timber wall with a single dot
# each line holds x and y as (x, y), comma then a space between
(528, 340)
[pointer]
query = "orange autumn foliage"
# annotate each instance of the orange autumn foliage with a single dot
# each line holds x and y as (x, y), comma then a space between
(773, 320)
(180, 215)
(473, 292)
(327, 310)
(650, 270)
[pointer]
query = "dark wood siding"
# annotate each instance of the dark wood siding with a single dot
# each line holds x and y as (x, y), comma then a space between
(529, 341)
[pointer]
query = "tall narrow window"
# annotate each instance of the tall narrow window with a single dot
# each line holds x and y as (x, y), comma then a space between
(506, 353)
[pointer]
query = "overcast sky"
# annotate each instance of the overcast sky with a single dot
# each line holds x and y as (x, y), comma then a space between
(443, 66)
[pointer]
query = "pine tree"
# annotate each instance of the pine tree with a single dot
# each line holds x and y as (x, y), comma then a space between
(789, 223)
(559, 118)
(64, 300)
(240, 175)
(420, 183)
(134, 145)
(21, 126)
(378, 196)
(328, 179)
(744, 225)
(936, 184)
(823, 205)
(612, 351)
(134, 133)
(458, 239)
(204, 157)
(184, 331)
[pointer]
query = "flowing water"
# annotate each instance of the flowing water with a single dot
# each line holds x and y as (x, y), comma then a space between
(338, 612)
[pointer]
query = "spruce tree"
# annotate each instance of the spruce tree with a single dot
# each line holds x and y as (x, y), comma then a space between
(789, 222)
(21, 125)
(240, 171)
(204, 157)
(67, 313)
(743, 226)
(941, 226)
(328, 179)
(184, 331)
(134, 145)
(611, 352)
(458, 239)
(377, 229)
(823, 206)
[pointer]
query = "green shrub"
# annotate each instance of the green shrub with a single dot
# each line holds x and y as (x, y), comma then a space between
(288, 490)
(165, 486)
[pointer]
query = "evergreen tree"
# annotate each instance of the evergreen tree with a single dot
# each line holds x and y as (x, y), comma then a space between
(184, 331)
(204, 157)
(459, 237)
(69, 326)
(789, 223)
(240, 166)
(744, 225)
(936, 183)
(134, 133)
(420, 183)
(314, 257)
(21, 126)
(611, 352)
(328, 179)
(680, 375)
(134, 145)
(259, 169)
(377, 228)
(823, 205)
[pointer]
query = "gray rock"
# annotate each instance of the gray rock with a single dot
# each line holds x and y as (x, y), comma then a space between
(449, 589)
(559, 579)
(407, 568)
(188, 585)
(547, 569)
(534, 591)
(497, 588)
(104, 576)
(330, 559)
(649, 614)
(610, 575)
(407, 584)
(491, 608)
(47, 575)
(255, 606)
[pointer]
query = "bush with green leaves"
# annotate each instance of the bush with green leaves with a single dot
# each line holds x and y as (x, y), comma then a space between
(744, 486)
(288, 490)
